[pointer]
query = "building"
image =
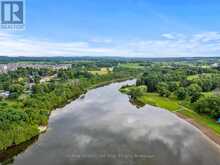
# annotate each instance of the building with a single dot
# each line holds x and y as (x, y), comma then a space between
(4, 68)
(215, 65)
(5, 94)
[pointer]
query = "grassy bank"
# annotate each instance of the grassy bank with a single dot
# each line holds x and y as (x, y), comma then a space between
(176, 106)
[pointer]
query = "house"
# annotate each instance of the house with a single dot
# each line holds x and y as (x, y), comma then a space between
(215, 65)
(5, 94)
(3, 68)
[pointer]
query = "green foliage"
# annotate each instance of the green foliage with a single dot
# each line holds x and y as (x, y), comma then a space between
(195, 96)
(151, 81)
(194, 88)
(155, 100)
(208, 82)
(163, 89)
(14, 128)
(21, 116)
(173, 86)
(181, 93)
(137, 91)
(15, 90)
(184, 83)
(209, 105)
(187, 81)
(194, 91)
(30, 104)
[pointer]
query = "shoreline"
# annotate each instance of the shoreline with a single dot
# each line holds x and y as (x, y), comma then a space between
(204, 130)
(207, 132)
(109, 82)
(43, 129)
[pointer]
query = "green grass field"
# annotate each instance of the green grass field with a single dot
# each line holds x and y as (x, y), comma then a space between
(102, 71)
(163, 102)
(194, 77)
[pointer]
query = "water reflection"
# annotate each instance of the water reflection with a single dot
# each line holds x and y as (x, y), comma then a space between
(104, 128)
(7, 156)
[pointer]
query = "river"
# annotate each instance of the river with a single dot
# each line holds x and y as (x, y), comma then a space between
(104, 128)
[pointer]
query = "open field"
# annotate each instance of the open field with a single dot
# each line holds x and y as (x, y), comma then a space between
(194, 77)
(102, 71)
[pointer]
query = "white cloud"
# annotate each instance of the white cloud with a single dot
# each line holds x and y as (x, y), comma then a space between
(207, 36)
(170, 45)
(176, 45)
(13, 45)
(168, 36)
(102, 41)
(173, 36)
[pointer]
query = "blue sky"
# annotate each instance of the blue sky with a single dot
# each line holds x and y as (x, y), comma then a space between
(139, 28)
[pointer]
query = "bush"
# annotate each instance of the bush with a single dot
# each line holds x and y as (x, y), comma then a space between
(137, 91)
(209, 105)
(163, 89)
(194, 88)
(195, 96)
(181, 93)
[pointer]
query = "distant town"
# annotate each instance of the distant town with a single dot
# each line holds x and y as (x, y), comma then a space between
(5, 68)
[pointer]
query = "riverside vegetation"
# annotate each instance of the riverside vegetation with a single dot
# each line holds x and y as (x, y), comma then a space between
(189, 86)
(34, 93)
(191, 89)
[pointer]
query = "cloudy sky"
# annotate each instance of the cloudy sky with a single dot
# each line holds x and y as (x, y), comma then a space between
(133, 28)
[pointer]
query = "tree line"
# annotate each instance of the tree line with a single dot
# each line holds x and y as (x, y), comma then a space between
(30, 107)
(176, 82)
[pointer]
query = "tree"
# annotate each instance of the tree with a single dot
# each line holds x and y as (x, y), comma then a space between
(137, 91)
(38, 88)
(195, 96)
(163, 89)
(138, 82)
(15, 90)
(209, 105)
(172, 86)
(194, 88)
(151, 80)
(184, 83)
(206, 84)
(181, 93)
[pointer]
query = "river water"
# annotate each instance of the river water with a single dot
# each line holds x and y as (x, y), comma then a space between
(104, 128)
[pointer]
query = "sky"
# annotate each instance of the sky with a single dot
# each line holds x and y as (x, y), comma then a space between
(126, 28)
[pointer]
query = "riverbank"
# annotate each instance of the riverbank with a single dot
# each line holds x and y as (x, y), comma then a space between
(209, 133)
(206, 125)
(109, 82)
(81, 120)
(43, 128)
